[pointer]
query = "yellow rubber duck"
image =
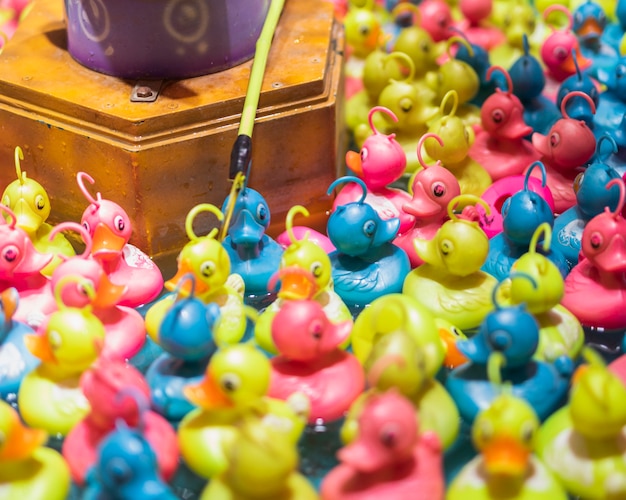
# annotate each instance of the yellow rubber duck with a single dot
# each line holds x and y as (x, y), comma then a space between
(207, 260)
(234, 388)
(67, 344)
(302, 259)
(31, 205)
(29, 470)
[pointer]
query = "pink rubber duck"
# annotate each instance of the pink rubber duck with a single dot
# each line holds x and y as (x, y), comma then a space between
(21, 268)
(433, 187)
(115, 390)
(380, 162)
(437, 19)
(569, 145)
(595, 289)
(500, 146)
(311, 361)
(390, 458)
(110, 229)
(476, 26)
(124, 326)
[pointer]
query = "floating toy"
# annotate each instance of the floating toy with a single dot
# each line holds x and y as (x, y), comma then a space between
(522, 214)
(580, 109)
(31, 205)
(186, 336)
(235, 386)
(392, 456)
(416, 42)
(569, 144)
(503, 350)
(207, 260)
(50, 396)
(110, 229)
(450, 283)
(16, 360)
(28, 469)
(518, 20)
(478, 58)
(396, 361)
(506, 467)
(436, 19)
(476, 25)
(500, 147)
(612, 106)
(116, 392)
(432, 189)
(366, 264)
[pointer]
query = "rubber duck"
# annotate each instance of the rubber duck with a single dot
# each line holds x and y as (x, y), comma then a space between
(366, 264)
(380, 162)
(500, 146)
(560, 332)
(457, 139)
(207, 260)
(529, 82)
(583, 443)
(392, 456)
(186, 337)
(396, 361)
(522, 214)
(116, 392)
(579, 109)
(432, 188)
(477, 26)
(305, 273)
(31, 205)
(591, 198)
(28, 469)
(110, 229)
(479, 60)
(518, 20)
(126, 468)
(416, 42)
(262, 465)
(21, 267)
(253, 254)
(558, 51)
(436, 18)
(450, 283)
(124, 326)
(595, 287)
(568, 145)
(50, 396)
(506, 467)
(15, 359)
(612, 105)
(311, 362)
(235, 386)
(502, 351)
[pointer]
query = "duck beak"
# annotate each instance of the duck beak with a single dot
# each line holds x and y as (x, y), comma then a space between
(363, 457)
(386, 231)
(353, 161)
(296, 284)
(245, 230)
(590, 29)
(506, 456)
(26, 217)
(207, 394)
(32, 262)
(515, 127)
(40, 347)
(109, 294)
(474, 349)
(453, 357)
(335, 335)
(421, 206)
(570, 66)
(613, 258)
(10, 299)
(427, 251)
(21, 441)
(184, 267)
(106, 244)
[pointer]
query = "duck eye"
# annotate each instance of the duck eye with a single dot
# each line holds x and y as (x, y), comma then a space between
(446, 247)
(578, 181)
(230, 382)
(560, 53)
(364, 30)
(500, 340)
(40, 203)
(364, 154)
(317, 269)
(578, 18)
(406, 104)
(85, 286)
(507, 21)
(484, 432)
(316, 329)
(595, 240)
(119, 223)
(369, 228)
(119, 471)
(455, 331)
(505, 207)
(555, 139)
(87, 227)
(425, 46)
(442, 22)
(389, 435)
(620, 70)
(439, 189)
(497, 115)
(466, 135)
(10, 253)
(54, 338)
(261, 212)
(207, 268)
(527, 432)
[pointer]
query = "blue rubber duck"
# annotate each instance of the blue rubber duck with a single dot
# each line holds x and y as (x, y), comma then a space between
(366, 264)
(579, 109)
(186, 336)
(612, 106)
(502, 352)
(478, 59)
(522, 214)
(126, 469)
(591, 199)
(529, 81)
(253, 254)
(15, 359)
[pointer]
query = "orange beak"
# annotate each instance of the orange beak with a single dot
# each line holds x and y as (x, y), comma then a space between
(506, 457)
(570, 66)
(296, 284)
(21, 441)
(184, 267)
(10, 299)
(453, 357)
(109, 294)
(353, 161)
(106, 244)
(40, 347)
(207, 394)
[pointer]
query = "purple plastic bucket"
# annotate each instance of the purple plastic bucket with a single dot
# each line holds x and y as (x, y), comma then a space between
(163, 39)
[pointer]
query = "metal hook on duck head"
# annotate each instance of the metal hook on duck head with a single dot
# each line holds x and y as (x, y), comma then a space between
(346, 179)
(80, 179)
(384, 110)
(562, 9)
(19, 155)
(11, 214)
(296, 209)
(80, 229)
(496, 289)
(544, 175)
(507, 76)
(182, 293)
(451, 94)
(86, 286)
(403, 7)
(203, 207)
(466, 198)
(525, 45)
(545, 229)
(420, 145)
(402, 57)
(622, 196)
(463, 41)
(576, 93)
(602, 139)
